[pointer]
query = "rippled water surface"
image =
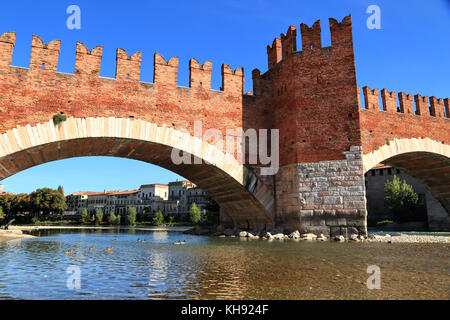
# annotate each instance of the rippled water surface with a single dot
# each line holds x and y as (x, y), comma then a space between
(216, 268)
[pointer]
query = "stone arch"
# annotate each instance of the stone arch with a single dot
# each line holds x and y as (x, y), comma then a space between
(426, 160)
(219, 173)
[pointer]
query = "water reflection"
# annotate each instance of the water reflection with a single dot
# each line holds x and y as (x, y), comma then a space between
(215, 268)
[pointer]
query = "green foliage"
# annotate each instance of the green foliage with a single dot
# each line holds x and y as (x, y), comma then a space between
(131, 216)
(47, 201)
(383, 222)
(401, 200)
(35, 220)
(61, 189)
(171, 220)
(2, 214)
(98, 216)
(195, 214)
(58, 118)
(158, 219)
(112, 218)
(84, 216)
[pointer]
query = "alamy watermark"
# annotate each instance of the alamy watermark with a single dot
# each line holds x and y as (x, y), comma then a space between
(247, 147)
(374, 20)
(74, 20)
(74, 280)
(374, 281)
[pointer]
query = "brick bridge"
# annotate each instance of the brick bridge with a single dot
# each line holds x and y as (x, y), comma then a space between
(327, 140)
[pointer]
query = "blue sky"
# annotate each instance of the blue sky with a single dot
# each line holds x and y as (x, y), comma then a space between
(410, 53)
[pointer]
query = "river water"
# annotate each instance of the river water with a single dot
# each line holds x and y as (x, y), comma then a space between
(215, 268)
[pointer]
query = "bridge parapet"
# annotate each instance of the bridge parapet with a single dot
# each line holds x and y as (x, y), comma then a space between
(128, 67)
(434, 107)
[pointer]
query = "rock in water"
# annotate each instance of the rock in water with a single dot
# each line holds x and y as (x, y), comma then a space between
(243, 234)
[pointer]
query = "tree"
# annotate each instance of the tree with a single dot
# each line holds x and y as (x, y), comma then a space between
(195, 214)
(6, 202)
(48, 201)
(112, 219)
(158, 219)
(2, 214)
(98, 216)
(131, 216)
(21, 203)
(61, 190)
(84, 216)
(212, 212)
(401, 200)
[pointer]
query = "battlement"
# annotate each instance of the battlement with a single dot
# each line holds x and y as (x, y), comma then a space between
(341, 39)
(434, 107)
(44, 58)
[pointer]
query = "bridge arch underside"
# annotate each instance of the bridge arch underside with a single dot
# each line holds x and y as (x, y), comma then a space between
(241, 206)
(431, 169)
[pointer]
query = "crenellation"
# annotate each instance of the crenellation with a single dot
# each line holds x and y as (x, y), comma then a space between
(406, 103)
(128, 68)
(289, 42)
(341, 33)
(7, 43)
(422, 106)
(232, 81)
(44, 56)
(372, 98)
(165, 73)
(88, 62)
(274, 53)
(311, 37)
(437, 107)
(200, 75)
(389, 101)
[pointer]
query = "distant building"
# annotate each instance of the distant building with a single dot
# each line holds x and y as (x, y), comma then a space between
(152, 198)
(175, 199)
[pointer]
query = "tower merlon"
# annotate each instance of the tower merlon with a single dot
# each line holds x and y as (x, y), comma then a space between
(44, 56)
(232, 81)
(289, 42)
(341, 33)
(372, 98)
(274, 53)
(422, 106)
(437, 107)
(165, 72)
(128, 67)
(7, 43)
(406, 103)
(87, 61)
(200, 75)
(389, 101)
(311, 37)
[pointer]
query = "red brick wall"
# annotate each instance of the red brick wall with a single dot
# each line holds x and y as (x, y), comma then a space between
(378, 126)
(312, 94)
(31, 96)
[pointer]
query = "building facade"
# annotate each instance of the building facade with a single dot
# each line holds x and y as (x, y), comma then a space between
(174, 198)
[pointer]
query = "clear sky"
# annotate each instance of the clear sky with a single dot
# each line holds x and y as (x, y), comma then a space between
(409, 53)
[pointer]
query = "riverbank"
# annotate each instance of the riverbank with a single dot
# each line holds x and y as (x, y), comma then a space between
(12, 234)
(279, 235)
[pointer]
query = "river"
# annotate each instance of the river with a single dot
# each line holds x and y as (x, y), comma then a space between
(215, 268)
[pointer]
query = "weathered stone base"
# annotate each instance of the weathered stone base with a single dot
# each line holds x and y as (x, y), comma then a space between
(325, 197)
